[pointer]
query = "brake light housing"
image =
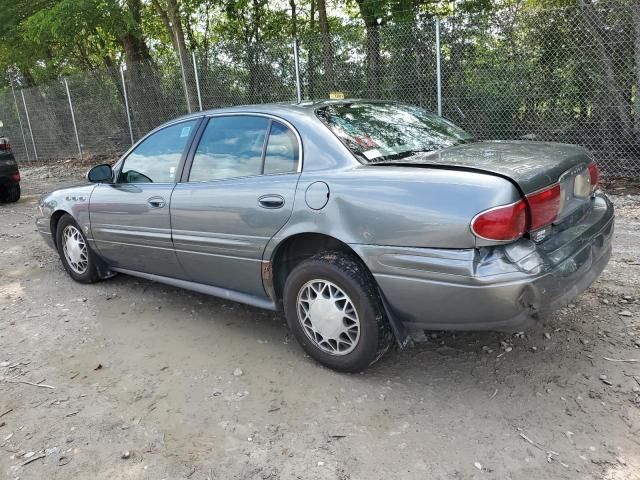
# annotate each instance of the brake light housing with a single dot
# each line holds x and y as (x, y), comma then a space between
(544, 206)
(594, 175)
(15, 177)
(503, 223)
(510, 222)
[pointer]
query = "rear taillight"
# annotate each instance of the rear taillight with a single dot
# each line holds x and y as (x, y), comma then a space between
(594, 174)
(5, 147)
(504, 223)
(509, 222)
(544, 206)
(15, 177)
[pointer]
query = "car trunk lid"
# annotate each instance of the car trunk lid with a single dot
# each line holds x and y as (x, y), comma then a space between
(531, 165)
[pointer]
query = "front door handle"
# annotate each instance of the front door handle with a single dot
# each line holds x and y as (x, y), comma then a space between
(271, 201)
(156, 202)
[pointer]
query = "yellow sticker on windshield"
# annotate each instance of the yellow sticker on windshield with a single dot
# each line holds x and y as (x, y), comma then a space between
(336, 95)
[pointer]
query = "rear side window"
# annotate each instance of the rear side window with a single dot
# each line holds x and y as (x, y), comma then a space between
(282, 152)
(157, 158)
(230, 147)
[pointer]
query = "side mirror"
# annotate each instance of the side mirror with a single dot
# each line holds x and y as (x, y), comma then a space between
(100, 174)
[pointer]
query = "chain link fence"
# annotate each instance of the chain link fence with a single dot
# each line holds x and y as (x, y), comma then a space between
(569, 75)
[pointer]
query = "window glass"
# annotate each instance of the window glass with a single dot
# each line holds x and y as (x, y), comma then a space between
(157, 158)
(382, 131)
(282, 150)
(230, 147)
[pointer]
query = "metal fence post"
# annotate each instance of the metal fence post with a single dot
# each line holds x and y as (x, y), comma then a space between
(15, 101)
(438, 71)
(297, 64)
(26, 111)
(126, 102)
(73, 118)
(195, 72)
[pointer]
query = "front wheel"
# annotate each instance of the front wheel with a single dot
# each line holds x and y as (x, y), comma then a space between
(333, 308)
(77, 257)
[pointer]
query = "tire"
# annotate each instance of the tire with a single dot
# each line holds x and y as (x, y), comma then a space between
(12, 193)
(354, 337)
(85, 270)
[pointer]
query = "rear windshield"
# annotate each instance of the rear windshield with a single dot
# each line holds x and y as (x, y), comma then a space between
(382, 131)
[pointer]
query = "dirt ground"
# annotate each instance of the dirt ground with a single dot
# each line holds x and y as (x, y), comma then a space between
(144, 371)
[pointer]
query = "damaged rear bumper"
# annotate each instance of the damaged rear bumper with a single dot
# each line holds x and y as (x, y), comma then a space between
(493, 288)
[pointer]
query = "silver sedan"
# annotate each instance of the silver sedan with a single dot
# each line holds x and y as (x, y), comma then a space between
(362, 221)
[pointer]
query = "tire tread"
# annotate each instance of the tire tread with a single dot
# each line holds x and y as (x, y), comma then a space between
(357, 273)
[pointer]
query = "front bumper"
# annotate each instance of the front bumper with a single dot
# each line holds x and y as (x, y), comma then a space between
(493, 288)
(43, 225)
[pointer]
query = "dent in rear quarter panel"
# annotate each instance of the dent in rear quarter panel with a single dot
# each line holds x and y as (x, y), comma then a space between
(400, 206)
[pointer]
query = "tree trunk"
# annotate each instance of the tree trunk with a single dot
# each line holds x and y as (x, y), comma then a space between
(374, 65)
(310, 59)
(172, 20)
(143, 86)
(614, 89)
(135, 48)
(253, 53)
(294, 19)
(327, 46)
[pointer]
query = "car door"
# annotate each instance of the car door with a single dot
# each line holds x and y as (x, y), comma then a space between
(237, 192)
(130, 219)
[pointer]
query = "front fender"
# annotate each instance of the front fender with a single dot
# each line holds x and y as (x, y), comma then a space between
(73, 201)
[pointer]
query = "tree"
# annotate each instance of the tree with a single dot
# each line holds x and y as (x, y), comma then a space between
(371, 14)
(327, 47)
(172, 18)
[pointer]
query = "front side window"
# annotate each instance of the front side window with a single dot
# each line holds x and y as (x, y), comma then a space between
(380, 131)
(230, 147)
(157, 158)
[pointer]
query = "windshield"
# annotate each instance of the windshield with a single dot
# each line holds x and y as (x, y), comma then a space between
(384, 131)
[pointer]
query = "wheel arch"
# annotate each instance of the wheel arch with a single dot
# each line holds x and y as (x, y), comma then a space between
(53, 223)
(294, 249)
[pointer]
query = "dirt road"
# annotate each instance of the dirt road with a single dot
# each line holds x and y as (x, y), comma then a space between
(144, 371)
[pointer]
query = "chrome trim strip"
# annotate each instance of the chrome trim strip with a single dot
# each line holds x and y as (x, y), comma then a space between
(209, 254)
(137, 233)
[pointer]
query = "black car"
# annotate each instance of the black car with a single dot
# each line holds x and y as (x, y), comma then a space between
(9, 173)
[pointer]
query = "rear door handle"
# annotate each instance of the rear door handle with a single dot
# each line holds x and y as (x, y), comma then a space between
(271, 201)
(156, 202)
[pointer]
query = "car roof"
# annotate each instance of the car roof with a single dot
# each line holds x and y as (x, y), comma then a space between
(306, 107)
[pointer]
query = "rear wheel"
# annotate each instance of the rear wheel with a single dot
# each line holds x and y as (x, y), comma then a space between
(77, 257)
(333, 307)
(11, 193)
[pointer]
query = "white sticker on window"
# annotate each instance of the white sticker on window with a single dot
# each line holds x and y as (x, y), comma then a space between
(185, 132)
(371, 154)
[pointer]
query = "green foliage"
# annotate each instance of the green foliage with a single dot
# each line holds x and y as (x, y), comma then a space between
(75, 32)
(510, 68)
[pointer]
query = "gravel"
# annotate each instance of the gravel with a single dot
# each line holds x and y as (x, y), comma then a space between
(454, 406)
